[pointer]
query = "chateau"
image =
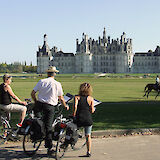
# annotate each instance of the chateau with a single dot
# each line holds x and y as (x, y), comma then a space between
(104, 55)
(147, 62)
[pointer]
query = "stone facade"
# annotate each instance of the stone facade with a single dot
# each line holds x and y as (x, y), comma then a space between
(147, 62)
(65, 62)
(102, 55)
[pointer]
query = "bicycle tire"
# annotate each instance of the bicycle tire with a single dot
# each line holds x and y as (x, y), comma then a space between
(29, 147)
(60, 151)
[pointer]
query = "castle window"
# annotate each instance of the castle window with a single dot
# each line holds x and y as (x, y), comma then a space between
(145, 63)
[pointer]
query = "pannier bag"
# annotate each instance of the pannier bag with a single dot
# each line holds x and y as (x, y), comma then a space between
(37, 129)
(71, 134)
(25, 124)
(55, 134)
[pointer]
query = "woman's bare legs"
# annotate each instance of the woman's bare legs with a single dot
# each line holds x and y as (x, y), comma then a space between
(88, 140)
(23, 114)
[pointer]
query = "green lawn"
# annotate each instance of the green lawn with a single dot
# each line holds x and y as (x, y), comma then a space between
(123, 103)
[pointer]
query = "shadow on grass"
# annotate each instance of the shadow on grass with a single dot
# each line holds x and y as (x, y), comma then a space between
(127, 115)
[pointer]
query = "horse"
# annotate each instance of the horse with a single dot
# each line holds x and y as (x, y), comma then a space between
(149, 87)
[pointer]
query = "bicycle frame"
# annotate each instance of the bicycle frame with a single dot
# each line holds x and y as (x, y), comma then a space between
(5, 121)
(8, 131)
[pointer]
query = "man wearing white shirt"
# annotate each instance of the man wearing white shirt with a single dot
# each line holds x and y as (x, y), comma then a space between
(50, 91)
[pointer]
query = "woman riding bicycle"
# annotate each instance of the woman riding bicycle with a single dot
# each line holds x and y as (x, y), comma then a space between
(6, 95)
(82, 109)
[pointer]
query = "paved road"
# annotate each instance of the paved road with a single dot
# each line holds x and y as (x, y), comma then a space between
(119, 148)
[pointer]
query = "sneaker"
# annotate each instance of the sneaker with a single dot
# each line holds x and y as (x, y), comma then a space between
(88, 154)
(19, 125)
(3, 136)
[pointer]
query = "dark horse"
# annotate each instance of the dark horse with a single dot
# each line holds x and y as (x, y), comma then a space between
(149, 87)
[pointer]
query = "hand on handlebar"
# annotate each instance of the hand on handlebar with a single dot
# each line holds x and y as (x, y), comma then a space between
(67, 107)
(24, 103)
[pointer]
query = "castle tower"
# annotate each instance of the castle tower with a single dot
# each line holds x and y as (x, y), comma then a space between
(123, 38)
(45, 38)
(104, 37)
(86, 44)
(104, 33)
(43, 56)
(77, 45)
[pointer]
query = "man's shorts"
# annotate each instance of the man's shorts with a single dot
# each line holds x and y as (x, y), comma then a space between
(13, 107)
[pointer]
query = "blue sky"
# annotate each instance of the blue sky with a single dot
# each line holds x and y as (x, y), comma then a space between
(24, 22)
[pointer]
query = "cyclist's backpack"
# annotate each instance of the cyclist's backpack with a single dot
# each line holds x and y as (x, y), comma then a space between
(55, 134)
(71, 134)
(37, 129)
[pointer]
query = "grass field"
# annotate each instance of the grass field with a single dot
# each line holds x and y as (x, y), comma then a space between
(123, 103)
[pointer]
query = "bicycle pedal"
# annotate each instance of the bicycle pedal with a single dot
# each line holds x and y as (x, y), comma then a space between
(14, 135)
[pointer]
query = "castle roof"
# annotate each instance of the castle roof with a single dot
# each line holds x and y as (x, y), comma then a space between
(147, 54)
(60, 53)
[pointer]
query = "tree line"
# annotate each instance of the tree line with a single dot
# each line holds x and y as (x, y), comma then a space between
(17, 67)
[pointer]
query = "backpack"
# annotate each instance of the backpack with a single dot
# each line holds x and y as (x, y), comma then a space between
(37, 129)
(71, 134)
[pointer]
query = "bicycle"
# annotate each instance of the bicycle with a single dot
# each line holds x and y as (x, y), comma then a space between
(62, 146)
(30, 146)
(7, 132)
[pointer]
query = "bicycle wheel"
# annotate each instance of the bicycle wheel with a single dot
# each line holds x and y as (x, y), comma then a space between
(29, 146)
(3, 132)
(81, 141)
(60, 147)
